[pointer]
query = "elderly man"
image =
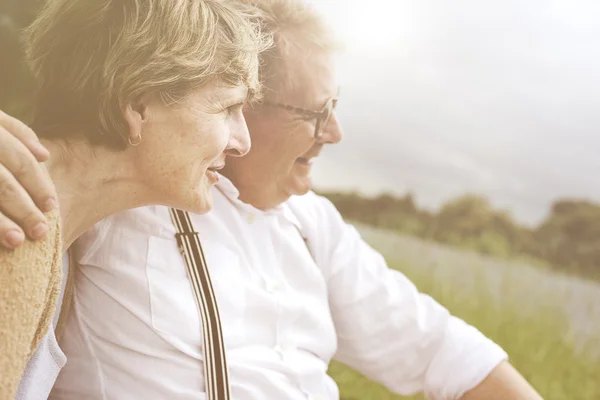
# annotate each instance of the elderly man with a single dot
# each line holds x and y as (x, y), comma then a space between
(295, 286)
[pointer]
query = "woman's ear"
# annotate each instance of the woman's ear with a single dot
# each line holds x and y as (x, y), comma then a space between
(136, 115)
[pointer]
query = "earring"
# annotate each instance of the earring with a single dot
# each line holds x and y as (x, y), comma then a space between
(135, 140)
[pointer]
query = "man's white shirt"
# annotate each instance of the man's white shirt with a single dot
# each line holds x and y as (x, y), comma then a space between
(296, 287)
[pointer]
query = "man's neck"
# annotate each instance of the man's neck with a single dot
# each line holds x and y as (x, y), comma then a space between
(259, 201)
(259, 195)
(92, 183)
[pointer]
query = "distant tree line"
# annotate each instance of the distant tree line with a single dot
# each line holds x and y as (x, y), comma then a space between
(568, 239)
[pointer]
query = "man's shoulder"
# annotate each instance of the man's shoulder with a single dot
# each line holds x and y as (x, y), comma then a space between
(324, 228)
(316, 214)
(312, 204)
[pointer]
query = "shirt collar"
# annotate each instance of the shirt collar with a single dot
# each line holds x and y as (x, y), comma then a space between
(229, 190)
(227, 187)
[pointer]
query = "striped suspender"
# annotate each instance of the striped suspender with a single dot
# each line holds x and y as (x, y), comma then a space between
(215, 365)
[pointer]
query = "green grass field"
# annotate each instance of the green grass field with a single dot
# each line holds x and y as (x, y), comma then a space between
(528, 311)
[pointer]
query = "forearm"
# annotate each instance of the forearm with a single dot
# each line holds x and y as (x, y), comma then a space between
(504, 382)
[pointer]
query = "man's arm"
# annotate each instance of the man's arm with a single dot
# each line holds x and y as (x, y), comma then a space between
(26, 190)
(404, 339)
(504, 382)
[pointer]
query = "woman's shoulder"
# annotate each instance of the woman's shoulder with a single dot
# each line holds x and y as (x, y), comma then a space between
(30, 279)
(40, 252)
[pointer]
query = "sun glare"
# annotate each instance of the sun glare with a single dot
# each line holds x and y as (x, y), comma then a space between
(373, 25)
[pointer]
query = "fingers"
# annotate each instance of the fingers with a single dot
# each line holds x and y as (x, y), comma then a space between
(11, 235)
(31, 175)
(25, 135)
(26, 190)
(17, 208)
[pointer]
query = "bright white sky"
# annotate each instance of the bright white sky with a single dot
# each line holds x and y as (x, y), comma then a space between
(446, 97)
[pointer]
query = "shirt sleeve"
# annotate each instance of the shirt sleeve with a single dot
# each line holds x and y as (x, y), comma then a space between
(393, 334)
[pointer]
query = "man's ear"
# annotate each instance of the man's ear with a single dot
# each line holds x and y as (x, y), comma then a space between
(136, 115)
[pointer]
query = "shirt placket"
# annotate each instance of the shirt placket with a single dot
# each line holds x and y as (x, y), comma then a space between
(286, 348)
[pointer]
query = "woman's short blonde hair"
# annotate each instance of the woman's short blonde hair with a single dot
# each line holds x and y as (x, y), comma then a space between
(91, 57)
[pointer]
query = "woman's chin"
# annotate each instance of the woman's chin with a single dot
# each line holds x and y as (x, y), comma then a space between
(203, 199)
(198, 200)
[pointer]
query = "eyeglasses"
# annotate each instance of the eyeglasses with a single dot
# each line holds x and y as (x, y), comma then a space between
(322, 116)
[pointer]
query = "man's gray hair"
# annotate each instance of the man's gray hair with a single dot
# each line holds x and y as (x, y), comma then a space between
(299, 31)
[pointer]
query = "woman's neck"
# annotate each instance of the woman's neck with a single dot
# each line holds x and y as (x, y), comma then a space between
(92, 183)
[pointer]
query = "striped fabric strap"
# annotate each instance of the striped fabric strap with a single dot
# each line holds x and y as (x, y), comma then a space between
(215, 365)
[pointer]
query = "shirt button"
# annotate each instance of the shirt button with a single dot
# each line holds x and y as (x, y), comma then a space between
(250, 218)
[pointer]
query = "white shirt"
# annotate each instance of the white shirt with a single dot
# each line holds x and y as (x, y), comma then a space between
(134, 331)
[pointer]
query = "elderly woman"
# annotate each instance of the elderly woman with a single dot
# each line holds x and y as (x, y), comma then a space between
(139, 103)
